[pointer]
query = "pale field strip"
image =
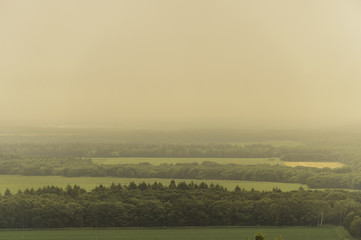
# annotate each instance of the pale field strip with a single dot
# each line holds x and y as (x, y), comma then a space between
(158, 161)
(275, 143)
(240, 161)
(331, 165)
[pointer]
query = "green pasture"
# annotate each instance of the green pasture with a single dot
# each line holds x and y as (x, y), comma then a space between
(240, 233)
(15, 182)
(158, 161)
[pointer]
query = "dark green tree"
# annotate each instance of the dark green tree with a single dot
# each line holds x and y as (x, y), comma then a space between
(259, 236)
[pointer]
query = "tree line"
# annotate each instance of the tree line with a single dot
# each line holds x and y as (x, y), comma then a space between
(182, 204)
(350, 155)
(136, 150)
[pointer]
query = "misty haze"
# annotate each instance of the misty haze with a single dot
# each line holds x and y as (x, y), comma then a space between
(180, 63)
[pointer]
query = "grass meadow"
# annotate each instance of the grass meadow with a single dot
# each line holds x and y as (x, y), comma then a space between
(231, 233)
(16, 182)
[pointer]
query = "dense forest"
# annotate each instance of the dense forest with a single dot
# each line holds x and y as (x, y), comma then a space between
(156, 205)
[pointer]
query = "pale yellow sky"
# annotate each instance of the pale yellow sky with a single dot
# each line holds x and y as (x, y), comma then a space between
(181, 63)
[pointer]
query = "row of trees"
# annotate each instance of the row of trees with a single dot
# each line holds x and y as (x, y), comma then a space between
(155, 205)
(29, 150)
(66, 150)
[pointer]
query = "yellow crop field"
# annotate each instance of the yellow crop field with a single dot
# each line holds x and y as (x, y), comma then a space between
(315, 164)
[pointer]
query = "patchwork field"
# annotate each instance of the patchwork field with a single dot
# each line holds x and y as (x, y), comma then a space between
(241, 233)
(315, 164)
(158, 161)
(15, 182)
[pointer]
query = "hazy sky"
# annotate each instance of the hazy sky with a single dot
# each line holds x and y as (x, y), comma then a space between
(200, 63)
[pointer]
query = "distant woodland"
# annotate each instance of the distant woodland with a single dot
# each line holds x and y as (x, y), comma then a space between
(73, 160)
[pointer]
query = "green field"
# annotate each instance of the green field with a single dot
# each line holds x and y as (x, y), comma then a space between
(15, 182)
(158, 161)
(241, 233)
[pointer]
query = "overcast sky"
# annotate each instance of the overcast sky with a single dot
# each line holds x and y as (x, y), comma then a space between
(181, 63)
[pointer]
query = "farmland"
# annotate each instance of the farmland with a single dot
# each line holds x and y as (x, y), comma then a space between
(275, 143)
(240, 161)
(15, 182)
(331, 165)
(158, 161)
(231, 233)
